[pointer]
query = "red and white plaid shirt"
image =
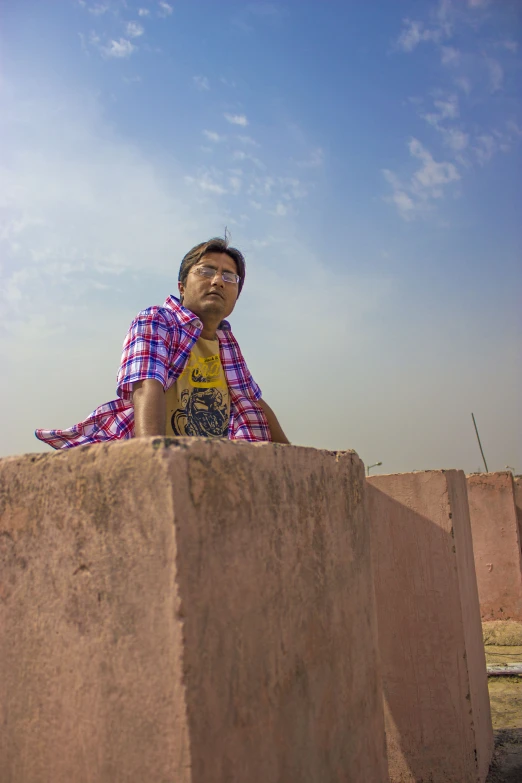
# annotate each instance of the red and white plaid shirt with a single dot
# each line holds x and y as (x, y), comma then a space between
(158, 345)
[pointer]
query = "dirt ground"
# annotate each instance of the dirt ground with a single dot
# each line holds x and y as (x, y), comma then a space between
(505, 694)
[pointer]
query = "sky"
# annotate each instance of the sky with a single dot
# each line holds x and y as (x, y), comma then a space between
(365, 157)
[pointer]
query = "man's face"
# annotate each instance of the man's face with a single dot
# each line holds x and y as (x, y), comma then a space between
(210, 296)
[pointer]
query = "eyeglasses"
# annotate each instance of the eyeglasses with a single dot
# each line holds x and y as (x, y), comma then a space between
(210, 273)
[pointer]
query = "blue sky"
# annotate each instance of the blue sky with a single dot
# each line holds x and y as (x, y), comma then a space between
(366, 157)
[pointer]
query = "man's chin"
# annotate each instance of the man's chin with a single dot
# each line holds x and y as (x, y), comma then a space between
(211, 305)
(214, 298)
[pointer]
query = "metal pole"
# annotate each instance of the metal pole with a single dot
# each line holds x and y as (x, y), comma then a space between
(479, 443)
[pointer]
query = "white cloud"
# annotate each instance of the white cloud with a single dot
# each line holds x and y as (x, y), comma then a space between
(98, 9)
(448, 107)
(206, 183)
(281, 209)
(261, 186)
(514, 128)
(13, 289)
(464, 84)
(442, 14)
(456, 139)
(449, 55)
(431, 174)
(242, 155)
(143, 12)
(432, 118)
(484, 149)
(134, 30)
(496, 75)
(292, 187)
(213, 136)
(201, 82)
(403, 202)
(235, 184)
(414, 33)
(236, 119)
(101, 186)
(426, 183)
(248, 140)
(510, 45)
(267, 190)
(119, 49)
(165, 9)
(314, 160)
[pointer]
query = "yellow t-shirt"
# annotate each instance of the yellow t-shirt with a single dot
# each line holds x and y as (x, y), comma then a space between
(198, 402)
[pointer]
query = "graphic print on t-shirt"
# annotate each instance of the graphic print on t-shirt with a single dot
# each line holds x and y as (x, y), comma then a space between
(198, 403)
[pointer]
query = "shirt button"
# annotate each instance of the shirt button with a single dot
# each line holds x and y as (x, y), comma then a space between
(198, 324)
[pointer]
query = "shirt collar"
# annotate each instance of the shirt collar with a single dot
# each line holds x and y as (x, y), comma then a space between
(184, 315)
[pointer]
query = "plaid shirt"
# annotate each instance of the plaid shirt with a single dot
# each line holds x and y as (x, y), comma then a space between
(158, 346)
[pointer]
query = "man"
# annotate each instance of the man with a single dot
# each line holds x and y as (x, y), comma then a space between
(182, 371)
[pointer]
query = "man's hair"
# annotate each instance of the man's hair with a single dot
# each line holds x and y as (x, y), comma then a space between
(215, 245)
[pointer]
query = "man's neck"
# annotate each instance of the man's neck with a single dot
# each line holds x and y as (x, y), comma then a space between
(208, 334)
(209, 328)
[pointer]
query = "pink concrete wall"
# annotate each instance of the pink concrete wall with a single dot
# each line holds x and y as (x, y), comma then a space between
(517, 485)
(438, 722)
(497, 545)
(187, 611)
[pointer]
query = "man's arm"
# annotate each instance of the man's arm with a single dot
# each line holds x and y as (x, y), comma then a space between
(150, 412)
(278, 436)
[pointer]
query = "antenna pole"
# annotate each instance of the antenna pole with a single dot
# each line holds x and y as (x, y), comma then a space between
(479, 443)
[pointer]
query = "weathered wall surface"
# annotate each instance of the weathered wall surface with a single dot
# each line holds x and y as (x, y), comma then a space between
(184, 612)
(497, 545)
(438, 722)
(517, 485)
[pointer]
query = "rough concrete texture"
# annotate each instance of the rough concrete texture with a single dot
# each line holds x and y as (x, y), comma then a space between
(187, 611)
(497, 545)
(517, 486)
(438, 721)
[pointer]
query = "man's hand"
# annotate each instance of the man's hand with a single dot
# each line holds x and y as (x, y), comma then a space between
(150, 410)
(278, 436)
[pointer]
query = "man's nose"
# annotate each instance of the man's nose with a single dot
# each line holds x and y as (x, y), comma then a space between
(219, 276)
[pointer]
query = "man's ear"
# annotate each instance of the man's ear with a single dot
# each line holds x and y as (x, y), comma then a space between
(181, 290)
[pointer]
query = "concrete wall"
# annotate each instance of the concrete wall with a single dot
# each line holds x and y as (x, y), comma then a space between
(438, 721)
(497, 545)
(187, 611)
(517, 485)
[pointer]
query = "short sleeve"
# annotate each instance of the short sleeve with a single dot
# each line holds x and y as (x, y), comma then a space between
(255, 391)
(146, 351)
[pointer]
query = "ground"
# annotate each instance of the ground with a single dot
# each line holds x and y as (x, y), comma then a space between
(505, 695)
